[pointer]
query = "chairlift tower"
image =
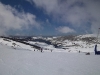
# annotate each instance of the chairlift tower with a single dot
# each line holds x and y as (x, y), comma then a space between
(98, 35)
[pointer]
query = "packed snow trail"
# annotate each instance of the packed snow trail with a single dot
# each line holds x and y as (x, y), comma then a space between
(20, 62)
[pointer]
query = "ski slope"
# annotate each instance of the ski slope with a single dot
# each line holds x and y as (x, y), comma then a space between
(83, 47)
(24, 62)
(17, 45)
(67, 45)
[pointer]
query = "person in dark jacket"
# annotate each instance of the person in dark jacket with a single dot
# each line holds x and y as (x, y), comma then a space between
(96, 52)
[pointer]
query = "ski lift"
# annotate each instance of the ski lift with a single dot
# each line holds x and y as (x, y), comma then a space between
(95, 49)
(98, 35)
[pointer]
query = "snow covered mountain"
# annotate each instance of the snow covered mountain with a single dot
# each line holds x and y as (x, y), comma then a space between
(70, 43)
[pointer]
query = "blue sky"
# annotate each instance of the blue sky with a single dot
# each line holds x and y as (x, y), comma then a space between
(46, 17)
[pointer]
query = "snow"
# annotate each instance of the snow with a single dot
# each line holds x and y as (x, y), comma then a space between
(21, 59)
(87, 35)
(67, 46)
(42, 45)
(34, 37)
(24, 62)
(17, 46)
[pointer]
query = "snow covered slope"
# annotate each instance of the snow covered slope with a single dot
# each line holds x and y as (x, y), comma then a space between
(15, 45)
(19, 62)
(80, 43)
(83, 43)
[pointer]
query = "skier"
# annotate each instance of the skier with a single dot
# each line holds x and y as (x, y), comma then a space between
(41, 49)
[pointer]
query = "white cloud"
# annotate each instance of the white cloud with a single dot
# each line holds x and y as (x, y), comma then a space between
(44, 3)
(65, 29)
(10, 18)
(75, 12)
(47, 21)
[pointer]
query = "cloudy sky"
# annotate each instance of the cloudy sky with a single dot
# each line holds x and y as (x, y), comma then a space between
(49, 17)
